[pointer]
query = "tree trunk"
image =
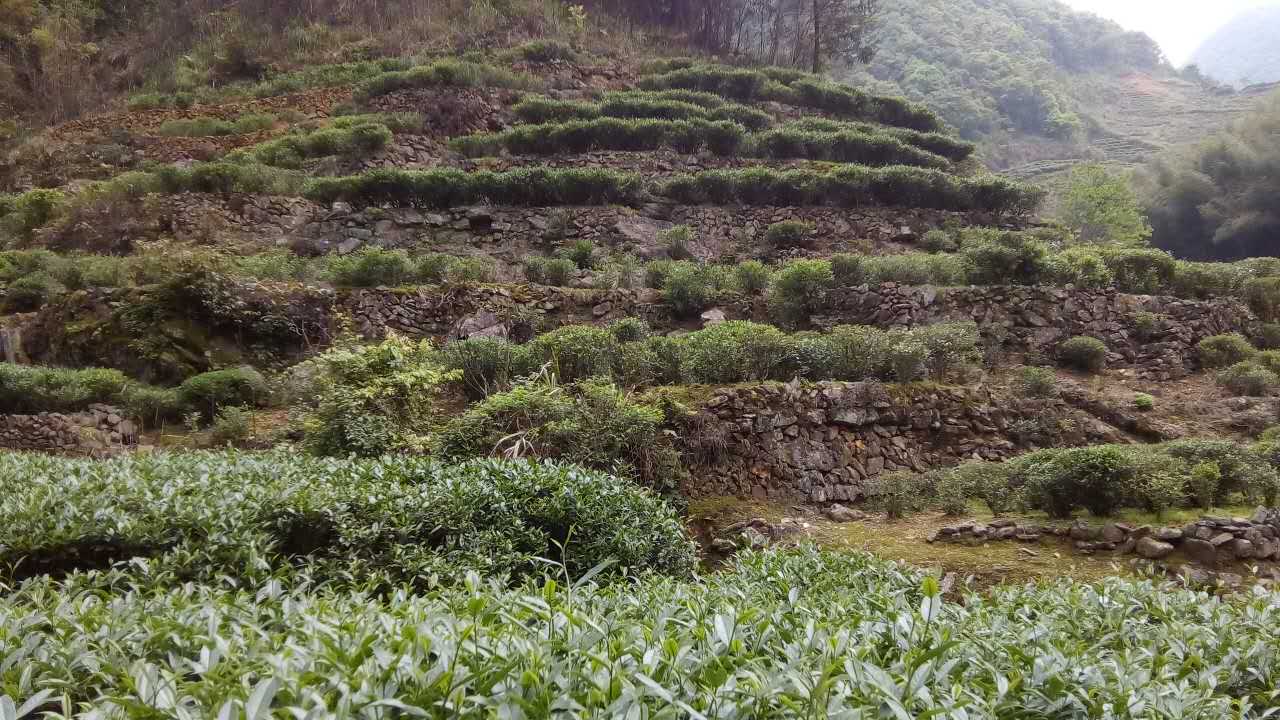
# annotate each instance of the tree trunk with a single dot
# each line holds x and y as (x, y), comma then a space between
(817, 36)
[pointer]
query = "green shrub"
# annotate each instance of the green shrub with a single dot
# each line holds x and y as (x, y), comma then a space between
(1036, 382)
(218, 517)
(576, 352)
(488, 365)
(908, 355)
(1004, 258)
(897, 494)
(1160, 480)
(1144, 402)
(732, 352)
(31, 292)
(443, 73)
(953, 492)
(443, 189)
(949, 346)
(1248, 379)
(937, 143)
(849, 146)
(910, 269)
(592, 423)
(29, 390)
(370, 267)
(852, 187)
(1202, 280)
(689, 288)
(800, 289)
(546, 51)
(989, 482)
(1269, 336)
(938, 241)
(789, 234)
(1204, 482)
(1084, 353)
(1240, 470)
(1263, 295)
(33, 209)
(1096, 478)
(207, 126)
(1080, 266)
(1138, 270)
(549, 271)
(1222, 350)
(350, 140)
(208, 392)
(629, 330)
(231, 426)
(151, 405)
(752, 277)
(859, 353)
(607, 133)
(676, 240)
(377, 399)
(582, 253)
(1146, 326)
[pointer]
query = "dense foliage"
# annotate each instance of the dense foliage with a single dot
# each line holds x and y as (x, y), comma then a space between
(1216, 201)
(795, 634)
(206, 515)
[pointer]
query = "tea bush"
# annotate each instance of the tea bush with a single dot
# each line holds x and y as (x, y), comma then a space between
(209, 126)
(641, 105)
(575, 352)
(1004, 258)
(488, 365)
(732, 352)
(443, 73)
(1097, 478)
(853, 186)
(549, 271)
(752, 277)
(347, 139)
(848, 146)
(402, 520)
(28, 390)
(1144, 402)
(442, 189)
(689, 288)
(1263, 295)
(370, 267)
(580, 136)
(1248, 379)
(970, 651)
(799, 289)
(1222, 350)
(788, 234)
(209, 392)
(1084, 353)
(949, 147)
(1036, 382)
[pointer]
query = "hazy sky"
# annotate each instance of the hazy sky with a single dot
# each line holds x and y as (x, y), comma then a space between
(1178, 25)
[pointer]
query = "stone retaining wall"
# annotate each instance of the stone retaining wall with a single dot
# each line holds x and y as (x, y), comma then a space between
(823, 442)
(100, 430)
(1037, 319)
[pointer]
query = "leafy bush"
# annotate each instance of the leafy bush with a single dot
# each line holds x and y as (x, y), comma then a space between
(443, 73)
(1141, 271)
(1263, 295)
(629, 330)
(1205, 479)
(689, 288)
(1080, 266)
(752, 277)
(1003, 258)
(402, 520)
(732, 352)
(209, 392)
(375, 399)
(848, 146)
(27, 390)
(591, 423)
(207, 126)
(488, 365)
(581, 136)
(1146, 326)
(1248, 379)
(789, 234)
(549, 271)
(897, 494)
(1160, 480)
(32, 209)
(852, 187)
(1144, 402)
(442, 189)
(908, 269)
(760, 602)
(1223, 350)
(576, 352)
(799, 289)
(1096, 478)
(989, 482)
(1084, 353)
(938, 241)
(370, 267)
(1036, 382)
(231, 426)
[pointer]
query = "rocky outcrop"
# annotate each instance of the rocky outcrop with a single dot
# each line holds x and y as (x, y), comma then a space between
(100, 430)
(1036, 319)
(823, 442)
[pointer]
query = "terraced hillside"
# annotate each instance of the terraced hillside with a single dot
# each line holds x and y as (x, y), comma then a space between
(445, 392)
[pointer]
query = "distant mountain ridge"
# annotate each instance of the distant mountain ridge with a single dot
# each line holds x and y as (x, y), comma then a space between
(1245, 51)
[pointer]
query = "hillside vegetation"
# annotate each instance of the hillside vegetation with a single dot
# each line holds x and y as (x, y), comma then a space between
(525, 359)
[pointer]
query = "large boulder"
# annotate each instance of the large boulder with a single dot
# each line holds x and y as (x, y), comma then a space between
(1152, 549)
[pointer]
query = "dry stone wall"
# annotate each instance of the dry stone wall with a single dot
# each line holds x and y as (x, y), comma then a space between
(1036, 319)
(100, 430)
(823, 442)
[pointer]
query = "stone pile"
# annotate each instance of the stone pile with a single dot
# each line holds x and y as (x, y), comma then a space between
(1207, 541)
(99, 430)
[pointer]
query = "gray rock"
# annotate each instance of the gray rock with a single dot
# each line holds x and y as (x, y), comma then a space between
(1152, 549)
(1241, 549)
(1168, 535)
(1112, 532)
(1201, 551)
(841, 514)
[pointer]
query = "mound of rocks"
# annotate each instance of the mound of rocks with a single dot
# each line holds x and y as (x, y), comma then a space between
(100, 430)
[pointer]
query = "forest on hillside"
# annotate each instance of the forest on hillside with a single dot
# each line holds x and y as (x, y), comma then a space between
(986, 65)
(1217, 200)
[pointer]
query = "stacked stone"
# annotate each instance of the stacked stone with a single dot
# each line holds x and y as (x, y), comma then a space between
(99, 430)
(1207, 541)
